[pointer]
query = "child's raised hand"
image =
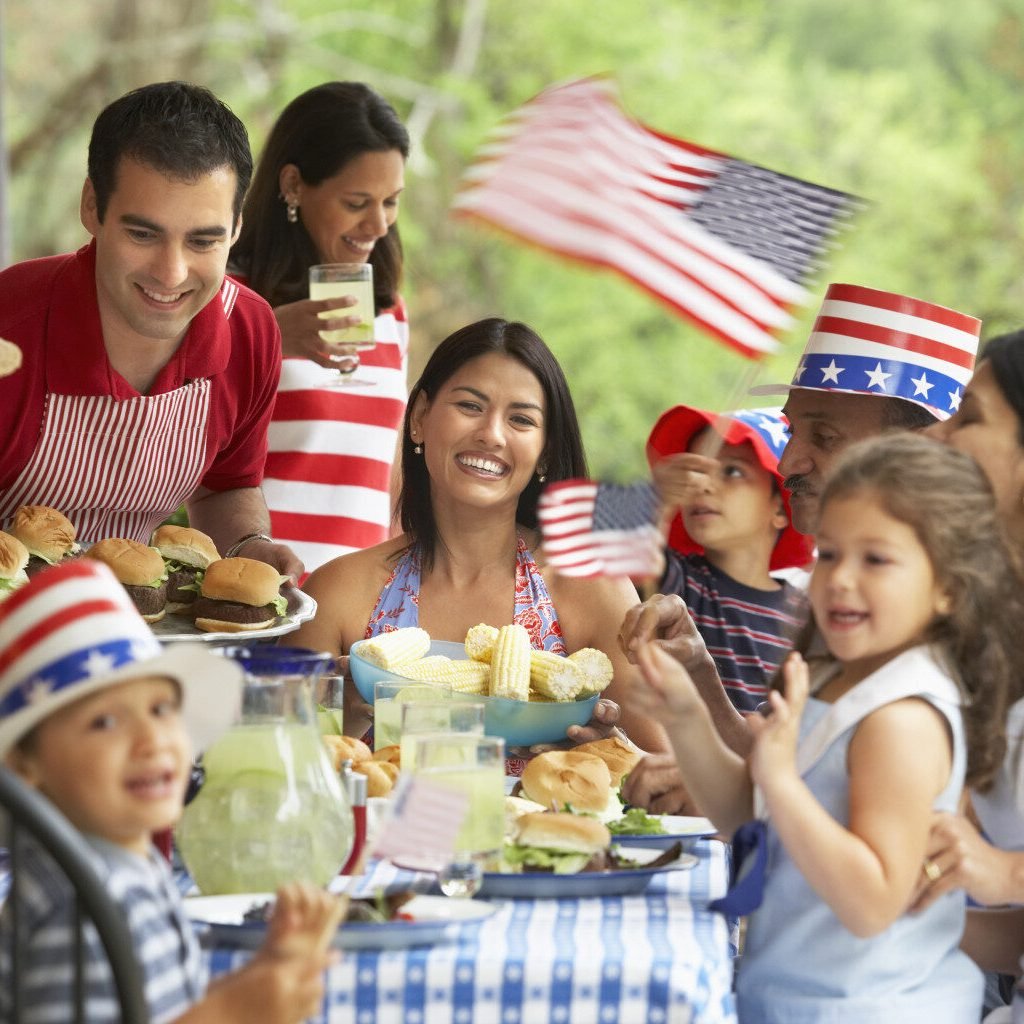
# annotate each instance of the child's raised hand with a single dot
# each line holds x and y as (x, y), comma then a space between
(666, 690)
(304, 921)
(682, 477)
(775, 737)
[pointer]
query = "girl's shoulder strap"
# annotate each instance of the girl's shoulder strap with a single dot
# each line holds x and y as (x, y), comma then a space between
(916, 672)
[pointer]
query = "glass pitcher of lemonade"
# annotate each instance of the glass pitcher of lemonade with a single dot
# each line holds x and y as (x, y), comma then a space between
(271, 809)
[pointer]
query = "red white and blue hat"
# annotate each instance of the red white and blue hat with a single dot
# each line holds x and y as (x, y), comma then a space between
(870, 342)
(73, 630)
(766, 432)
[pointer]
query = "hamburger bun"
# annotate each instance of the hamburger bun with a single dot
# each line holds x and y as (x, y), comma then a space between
(380, 776)
(13, 556)
(185, 545)
(10, 358)
(346, 748)
(568, 777)
(140, 569)
(392, 753)
(47, 533)
(134, 564)
(241, 580)
(566, 833)
(620, 755)
(515, 808)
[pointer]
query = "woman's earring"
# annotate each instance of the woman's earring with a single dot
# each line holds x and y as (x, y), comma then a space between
(418, 449)
(542, 476)
(292, 212)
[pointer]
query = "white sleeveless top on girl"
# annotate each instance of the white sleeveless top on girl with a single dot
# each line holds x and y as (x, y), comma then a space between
(800, 965)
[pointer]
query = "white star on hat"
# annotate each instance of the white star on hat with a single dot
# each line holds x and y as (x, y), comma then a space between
(799, 372)
(922, 385)
(876, 378)
(98, 664)
(954, 399)
(38, 691)
(775, 430)
(831, 372)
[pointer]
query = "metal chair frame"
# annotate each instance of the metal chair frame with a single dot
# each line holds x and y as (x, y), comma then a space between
(32, 812)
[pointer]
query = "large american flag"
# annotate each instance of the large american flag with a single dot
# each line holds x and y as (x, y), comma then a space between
(725, 243)
(598, 529)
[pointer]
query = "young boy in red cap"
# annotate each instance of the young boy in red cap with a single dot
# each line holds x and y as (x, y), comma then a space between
(731, 531)
(101, 719)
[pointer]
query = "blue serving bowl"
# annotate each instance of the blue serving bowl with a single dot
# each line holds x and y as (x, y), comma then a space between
(518, 723)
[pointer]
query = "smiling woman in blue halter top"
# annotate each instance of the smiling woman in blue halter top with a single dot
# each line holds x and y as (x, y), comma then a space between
(488, 421)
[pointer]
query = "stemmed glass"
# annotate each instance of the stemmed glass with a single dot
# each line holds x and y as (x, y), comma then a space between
(331, 281)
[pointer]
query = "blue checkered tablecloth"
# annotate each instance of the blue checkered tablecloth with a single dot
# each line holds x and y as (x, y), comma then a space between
(657, 958)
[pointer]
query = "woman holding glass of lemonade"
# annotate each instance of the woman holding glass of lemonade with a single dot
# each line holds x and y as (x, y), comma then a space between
(326, 192)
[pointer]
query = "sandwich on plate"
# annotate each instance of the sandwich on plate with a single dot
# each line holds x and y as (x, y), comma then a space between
(140, 570)
(48, 534)
(13, 559)
(187, 553)
(239, 594)
(559, 843)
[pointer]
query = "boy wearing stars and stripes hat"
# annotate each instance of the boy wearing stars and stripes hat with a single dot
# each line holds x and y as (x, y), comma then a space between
(100, 718)
(731, 530)
(874, 361)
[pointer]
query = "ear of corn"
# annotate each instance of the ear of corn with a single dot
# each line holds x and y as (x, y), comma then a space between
(596, 669)
(510, 664)
(553, 676)
(461, 676)
(480, 641)
(397, 647)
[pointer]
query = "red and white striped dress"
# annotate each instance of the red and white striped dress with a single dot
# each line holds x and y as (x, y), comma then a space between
(328, 471)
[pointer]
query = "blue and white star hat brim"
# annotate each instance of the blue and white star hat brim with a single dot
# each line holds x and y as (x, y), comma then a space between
(73, 630)
(870, 342)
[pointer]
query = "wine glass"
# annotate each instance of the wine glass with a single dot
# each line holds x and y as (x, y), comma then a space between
(331, 281)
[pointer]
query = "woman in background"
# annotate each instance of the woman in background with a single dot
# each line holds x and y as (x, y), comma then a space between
(326, 190)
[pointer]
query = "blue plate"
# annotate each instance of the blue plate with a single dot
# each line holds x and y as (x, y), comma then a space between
(536, 885)
(519, 723)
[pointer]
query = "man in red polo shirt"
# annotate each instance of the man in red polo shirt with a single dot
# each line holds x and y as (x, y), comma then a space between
(148, 376)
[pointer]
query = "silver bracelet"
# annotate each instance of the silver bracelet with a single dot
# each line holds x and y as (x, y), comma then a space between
(242, 541)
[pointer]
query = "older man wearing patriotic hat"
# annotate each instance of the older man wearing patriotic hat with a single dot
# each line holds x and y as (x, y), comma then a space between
(874, 361)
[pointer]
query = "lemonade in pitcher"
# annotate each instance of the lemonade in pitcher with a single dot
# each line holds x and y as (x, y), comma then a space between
(271, 808)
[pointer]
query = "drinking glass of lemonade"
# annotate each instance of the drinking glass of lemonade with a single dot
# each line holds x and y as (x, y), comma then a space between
(389, 695)
(437, 718)
(474, 765)
(331, 281)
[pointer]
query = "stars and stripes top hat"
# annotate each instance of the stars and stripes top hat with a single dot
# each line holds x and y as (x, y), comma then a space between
(73, 630)
(871, 342)
(765, 431)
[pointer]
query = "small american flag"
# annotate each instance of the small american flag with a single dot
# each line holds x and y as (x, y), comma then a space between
(422, 824)
(723, 242)
(598, 529)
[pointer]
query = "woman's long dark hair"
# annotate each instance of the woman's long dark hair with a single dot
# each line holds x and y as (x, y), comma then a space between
(320, 131)
(562, 458)
(945, 498)
(1005, 353)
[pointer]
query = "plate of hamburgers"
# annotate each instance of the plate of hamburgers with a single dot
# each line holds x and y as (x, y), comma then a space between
(556, 854)
(240, 599)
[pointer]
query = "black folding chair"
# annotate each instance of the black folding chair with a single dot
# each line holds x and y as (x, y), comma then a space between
(29, 812)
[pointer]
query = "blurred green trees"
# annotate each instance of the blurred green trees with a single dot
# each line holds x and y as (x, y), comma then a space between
(915, 106)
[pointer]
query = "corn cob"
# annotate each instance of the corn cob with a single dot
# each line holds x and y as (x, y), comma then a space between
(554, 676)
(596, 668)
(462, 676)
(510, 664)
(480, 641)
(396, 647)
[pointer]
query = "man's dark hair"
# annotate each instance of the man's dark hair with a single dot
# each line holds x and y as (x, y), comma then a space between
(179, 129)
(899, 414)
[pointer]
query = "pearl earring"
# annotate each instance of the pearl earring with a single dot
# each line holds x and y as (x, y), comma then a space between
(292, 212)
(418, 449)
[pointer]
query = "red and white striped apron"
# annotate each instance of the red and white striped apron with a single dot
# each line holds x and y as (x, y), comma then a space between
(115, 468)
